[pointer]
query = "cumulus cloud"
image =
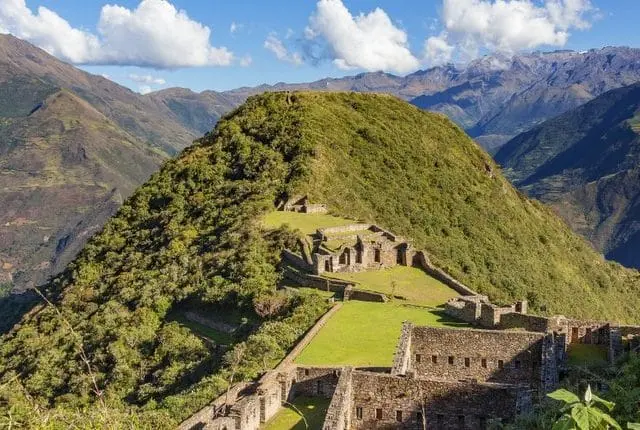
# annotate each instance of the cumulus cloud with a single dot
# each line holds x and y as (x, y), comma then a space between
(147, 79)
(154, 34)
(367, 41)
(282, 53)
(505, 25)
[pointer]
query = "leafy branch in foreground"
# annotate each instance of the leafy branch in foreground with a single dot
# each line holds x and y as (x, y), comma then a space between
(589, 413)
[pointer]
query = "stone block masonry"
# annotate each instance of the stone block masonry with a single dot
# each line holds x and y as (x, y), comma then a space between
(339, 412)
(521, 358)
(382, 401)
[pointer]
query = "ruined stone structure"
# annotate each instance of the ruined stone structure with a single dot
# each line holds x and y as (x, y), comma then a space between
(302, 204)
(441, 378)
(477, 310)
(357, 248)
(507, 357)
(493, 376)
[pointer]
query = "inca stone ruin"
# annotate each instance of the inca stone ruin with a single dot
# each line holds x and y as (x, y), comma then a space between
(441, 378)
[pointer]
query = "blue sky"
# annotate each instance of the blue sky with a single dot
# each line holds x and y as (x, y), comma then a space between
(303, 40)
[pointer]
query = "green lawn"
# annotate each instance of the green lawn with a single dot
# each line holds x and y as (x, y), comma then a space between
(587, 355)
(412, 283)
(307, 223)
(313, 408)
(366, 333)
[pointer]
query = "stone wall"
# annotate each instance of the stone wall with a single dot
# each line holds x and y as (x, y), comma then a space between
(322, 232)
(483, 355)
(402, 355)
(314, 208)
(315, 382)
(338, 415)
(526, 322)
(383, 401)
(351, 293)
(420, 259)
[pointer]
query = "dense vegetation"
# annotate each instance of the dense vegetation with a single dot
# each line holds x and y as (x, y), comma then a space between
(379, 159)
(193, 233)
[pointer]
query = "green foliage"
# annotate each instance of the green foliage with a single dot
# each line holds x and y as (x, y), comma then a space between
(417, 174)
(192, 232)
(589, 413)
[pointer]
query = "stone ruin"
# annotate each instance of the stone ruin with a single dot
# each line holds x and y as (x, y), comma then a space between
(479, 311)
(301, 204)
(443, 378)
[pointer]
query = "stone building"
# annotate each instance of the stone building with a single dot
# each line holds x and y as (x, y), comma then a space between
(302, 204)
(442, 378)
(358, 247)
(507, 357)
(613, 338)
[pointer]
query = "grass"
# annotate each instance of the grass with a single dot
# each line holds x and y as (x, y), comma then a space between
(307, 223)
(365, 333)
(217, 336)
(313, 408)
(587, 355)
(413, 284)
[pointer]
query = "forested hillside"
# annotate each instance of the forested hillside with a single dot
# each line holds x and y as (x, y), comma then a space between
(192, 237)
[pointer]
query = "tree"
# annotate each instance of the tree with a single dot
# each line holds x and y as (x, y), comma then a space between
(590, 413)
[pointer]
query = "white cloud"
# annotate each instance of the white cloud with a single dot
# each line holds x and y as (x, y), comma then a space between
(505, 25)
(154, 34)
(437, 50)
(275, 45)
(367, 41)
(147, 79)
(145, 89)
(235, 27)
(246, 61)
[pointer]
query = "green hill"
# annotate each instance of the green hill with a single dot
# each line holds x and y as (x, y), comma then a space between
(192, 238)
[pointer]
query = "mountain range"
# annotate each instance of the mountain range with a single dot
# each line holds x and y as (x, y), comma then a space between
(59, 186)
(586, 164)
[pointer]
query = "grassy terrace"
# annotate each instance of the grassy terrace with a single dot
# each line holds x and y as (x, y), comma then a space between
(307, 223)
(365, 334)
(314, 410)
(411, 283)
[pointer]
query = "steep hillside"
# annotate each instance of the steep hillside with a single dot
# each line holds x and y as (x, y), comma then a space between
(64, 170)
(585, 163)
(72, 146)
(193, 235)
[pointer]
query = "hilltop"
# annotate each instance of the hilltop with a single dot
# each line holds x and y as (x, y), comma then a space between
(585, 164)
(192, 236)
(492, 98)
